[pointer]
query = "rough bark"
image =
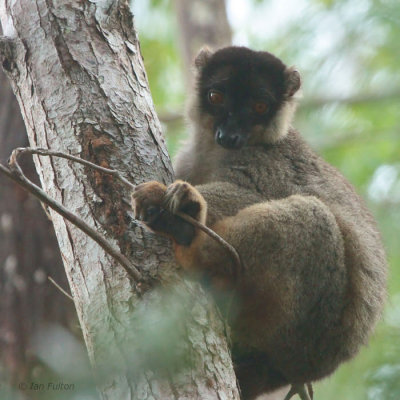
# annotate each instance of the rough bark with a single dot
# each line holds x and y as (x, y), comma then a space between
(78, 75)
(201, 22)
(28, 254)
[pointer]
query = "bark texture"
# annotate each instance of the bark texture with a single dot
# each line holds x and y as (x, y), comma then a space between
(28, 254)
(78, 75)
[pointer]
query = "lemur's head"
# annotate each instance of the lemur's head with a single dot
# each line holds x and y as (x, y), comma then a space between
(247, 97)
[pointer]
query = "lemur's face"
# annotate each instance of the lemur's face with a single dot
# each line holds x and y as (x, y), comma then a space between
(242, 90)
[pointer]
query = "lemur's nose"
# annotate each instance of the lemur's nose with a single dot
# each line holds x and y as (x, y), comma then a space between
(229, 141)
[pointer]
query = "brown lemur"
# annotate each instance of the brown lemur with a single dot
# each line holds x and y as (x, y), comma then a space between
(313, 280)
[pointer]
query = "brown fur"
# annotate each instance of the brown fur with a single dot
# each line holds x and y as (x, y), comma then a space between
(314, 276)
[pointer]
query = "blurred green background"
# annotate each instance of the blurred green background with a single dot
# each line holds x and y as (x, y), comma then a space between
(348, 53)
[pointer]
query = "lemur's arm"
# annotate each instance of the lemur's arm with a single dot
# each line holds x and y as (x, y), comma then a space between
(264, 233)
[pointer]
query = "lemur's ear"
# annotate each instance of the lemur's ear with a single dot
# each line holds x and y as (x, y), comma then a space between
(292, 81)
(202, 57)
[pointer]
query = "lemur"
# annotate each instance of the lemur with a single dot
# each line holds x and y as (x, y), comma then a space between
(313, 280)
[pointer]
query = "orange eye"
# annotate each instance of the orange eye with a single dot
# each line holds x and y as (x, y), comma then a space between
(215, 97)
(260, 107)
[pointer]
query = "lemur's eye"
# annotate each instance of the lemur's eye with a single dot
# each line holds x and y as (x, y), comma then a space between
(215, 97)
(260, 107)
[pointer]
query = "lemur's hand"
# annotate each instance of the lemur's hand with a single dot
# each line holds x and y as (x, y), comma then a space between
(156, 205)
(147, 202)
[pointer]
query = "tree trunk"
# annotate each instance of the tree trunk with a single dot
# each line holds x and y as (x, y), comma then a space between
(28, 255)
(78, 75)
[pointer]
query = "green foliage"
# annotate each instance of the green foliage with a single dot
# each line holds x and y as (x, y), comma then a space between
(157, 34)
(163, 69)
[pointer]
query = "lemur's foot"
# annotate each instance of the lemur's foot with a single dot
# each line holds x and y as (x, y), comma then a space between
(156, 205)
(183, 197)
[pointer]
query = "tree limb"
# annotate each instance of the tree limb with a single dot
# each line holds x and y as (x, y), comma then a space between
(36, 191)
(16, 174)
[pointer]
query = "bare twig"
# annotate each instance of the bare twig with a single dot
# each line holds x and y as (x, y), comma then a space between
(14, 172)
(59, 288)
(122, 179)
(45, 152)
(213, 235)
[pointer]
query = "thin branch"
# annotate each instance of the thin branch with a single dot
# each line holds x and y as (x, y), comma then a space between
(59, 288)
(44, 152)
(215, 236)
(122, 179)
(17, 175)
